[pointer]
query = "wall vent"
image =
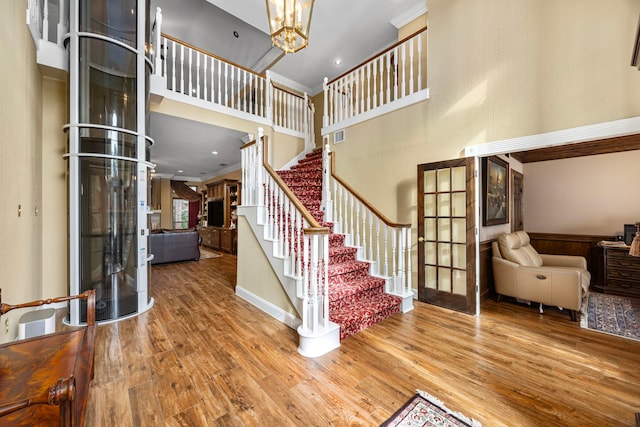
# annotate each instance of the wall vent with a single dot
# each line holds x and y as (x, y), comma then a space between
(338, 136)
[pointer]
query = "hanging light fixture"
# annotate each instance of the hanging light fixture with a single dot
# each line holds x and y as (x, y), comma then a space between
(289, 22)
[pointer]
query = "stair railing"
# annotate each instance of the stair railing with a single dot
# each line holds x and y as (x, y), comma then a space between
(384, 243)
(296, 235)
(392, 79)
(292, 111)
(41, 25)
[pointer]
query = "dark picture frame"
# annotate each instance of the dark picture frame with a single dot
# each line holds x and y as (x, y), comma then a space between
(495, 191)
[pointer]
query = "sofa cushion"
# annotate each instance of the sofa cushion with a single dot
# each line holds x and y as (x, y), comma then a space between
(515, 247)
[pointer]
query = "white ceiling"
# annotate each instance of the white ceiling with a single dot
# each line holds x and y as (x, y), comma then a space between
(352, 31)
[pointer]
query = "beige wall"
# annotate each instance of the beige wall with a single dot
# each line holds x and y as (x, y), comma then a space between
(255, 273)
(587, 195)
(54, 207)
(20, 172)
(497, 69)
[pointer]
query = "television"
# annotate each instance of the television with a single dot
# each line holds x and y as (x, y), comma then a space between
(629, 233)
(215, 213)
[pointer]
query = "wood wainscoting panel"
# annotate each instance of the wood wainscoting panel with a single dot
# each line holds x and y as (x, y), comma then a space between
(487, 287)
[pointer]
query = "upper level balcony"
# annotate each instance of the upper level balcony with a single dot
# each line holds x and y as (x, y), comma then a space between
(391, 80)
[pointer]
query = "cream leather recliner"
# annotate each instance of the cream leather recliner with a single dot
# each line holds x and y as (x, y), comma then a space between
(520, 272)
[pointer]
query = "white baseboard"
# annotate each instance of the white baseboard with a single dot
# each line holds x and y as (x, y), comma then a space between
(272, 310)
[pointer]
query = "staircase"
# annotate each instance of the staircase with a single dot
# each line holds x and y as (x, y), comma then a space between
(356, 299)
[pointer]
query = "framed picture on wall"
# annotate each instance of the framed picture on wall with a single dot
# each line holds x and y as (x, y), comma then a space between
(495, 191)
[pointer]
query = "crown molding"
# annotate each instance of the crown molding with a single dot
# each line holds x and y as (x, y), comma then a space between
(409, 15)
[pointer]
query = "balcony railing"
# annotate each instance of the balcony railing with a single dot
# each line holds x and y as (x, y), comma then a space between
(231, 88)
(393, 79)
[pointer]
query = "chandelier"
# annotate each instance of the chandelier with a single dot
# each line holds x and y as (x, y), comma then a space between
(289, 22)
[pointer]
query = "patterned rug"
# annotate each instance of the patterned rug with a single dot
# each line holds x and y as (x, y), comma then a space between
(424, 410)
(612, 314)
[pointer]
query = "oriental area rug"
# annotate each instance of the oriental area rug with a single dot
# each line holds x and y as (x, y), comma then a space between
(424, 410)
(612, 314)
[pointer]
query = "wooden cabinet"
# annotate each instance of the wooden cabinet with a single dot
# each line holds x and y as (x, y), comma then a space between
(622, 272)
(210, 237)
(223, 198)
(227, 240)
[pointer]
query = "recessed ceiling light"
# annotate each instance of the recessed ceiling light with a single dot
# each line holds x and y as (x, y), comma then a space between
(215, 153)
(338, 61)
(236, 34)
(180, 171)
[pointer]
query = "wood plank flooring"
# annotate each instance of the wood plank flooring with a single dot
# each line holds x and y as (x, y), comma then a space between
(204, 357)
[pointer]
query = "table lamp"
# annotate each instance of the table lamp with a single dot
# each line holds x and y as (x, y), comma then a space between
(635, 245)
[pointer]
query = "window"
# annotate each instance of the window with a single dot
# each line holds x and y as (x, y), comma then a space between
(180, 213)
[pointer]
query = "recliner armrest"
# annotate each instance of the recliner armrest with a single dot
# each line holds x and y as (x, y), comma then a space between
(563, 261)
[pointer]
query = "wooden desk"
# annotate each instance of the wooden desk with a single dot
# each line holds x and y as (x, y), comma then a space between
(45, 380)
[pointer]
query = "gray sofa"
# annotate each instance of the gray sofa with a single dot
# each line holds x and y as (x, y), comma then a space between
(174, 245)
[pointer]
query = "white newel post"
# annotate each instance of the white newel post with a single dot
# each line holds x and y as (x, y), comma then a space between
(260, 177)
(325, 114)
(62, 28)
(269, 93)
(45, 21)
(327, 203)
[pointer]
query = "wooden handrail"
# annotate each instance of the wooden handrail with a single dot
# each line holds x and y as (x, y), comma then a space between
(289, 91)
(211, 55)
(89, 295)
(297, 203)
(376, 212)
(393, 46)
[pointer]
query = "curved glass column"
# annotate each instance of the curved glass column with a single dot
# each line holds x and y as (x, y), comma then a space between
(108, 153)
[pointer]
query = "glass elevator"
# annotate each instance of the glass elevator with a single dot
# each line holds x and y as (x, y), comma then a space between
(108, 153)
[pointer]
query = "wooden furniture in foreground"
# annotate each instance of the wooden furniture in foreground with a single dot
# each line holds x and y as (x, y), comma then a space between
(621, 271)
(45, 380)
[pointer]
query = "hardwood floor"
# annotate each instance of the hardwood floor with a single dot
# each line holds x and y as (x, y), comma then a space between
(203, 356)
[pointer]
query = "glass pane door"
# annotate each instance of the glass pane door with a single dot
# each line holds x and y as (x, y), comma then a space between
(446, 234)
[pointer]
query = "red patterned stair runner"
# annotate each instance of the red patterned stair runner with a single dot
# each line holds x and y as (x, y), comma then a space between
(356, 299)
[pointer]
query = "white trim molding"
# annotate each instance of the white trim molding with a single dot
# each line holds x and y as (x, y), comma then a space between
(561, 137)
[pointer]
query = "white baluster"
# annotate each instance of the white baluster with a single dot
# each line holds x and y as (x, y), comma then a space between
(420, 61)
(45, 21)
(205, 78)
(226, 91)
(408, 285)
(382, 79)
(411, 88)
(173, 62)
(394, 252)
(239, 91)
(395, 73)
(378, 257)
(404, 69)
(389, 81)
(374, 90)
(198, 55)
(158, 46)
(386, 250)
(370, 217)
(181, 68)
(62, 27)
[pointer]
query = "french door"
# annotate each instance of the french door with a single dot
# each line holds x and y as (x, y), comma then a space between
(446, 234)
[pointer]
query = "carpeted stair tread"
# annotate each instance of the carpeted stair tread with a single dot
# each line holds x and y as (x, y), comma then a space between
(355, 319)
